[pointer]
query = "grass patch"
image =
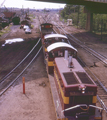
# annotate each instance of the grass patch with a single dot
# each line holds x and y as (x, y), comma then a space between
(32, 26)
(31, 16)
(63, 20)
(5, 30)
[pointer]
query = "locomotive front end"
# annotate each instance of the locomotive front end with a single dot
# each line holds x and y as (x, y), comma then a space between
(77, 91)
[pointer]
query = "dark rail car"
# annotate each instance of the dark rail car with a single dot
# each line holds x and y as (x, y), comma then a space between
(46, 28)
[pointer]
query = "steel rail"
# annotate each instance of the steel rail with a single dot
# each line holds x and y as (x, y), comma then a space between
(20, 62)
(105, 89)
(91, 51)
(20, 73)
(64, 34)
(102, 103)
(98, 98)
(94, 53)
(55, 30)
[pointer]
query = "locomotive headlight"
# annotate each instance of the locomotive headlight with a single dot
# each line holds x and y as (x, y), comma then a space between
(83, 91)
(82, 88)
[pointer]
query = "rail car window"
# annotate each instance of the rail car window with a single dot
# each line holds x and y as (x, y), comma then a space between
(80, 100)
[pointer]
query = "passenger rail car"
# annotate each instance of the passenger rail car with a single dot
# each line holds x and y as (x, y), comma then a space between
(53, 38)
(46, 28)
(76, 89)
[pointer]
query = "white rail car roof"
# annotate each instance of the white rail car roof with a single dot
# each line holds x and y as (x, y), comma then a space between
(60, 45)
(55, 36)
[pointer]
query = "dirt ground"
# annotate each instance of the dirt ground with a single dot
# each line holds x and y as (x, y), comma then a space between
(37, 103)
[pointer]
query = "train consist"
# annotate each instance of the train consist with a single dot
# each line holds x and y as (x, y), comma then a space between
(73, 90)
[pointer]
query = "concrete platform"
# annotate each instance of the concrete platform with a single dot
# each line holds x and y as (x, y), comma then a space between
(56, 100)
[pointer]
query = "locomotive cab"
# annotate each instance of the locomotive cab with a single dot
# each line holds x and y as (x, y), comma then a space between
(57, 50)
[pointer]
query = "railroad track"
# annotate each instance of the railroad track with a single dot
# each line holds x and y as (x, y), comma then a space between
(102, 58)
(14, 74)
(101, 90)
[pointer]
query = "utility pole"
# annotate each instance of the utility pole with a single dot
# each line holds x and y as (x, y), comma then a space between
(78, 15)
(2, 5)
(101, 28)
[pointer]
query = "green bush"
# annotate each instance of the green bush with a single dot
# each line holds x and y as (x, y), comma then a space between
(73, 11)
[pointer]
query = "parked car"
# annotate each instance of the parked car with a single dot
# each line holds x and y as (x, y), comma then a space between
(28, 31)
(25, 27)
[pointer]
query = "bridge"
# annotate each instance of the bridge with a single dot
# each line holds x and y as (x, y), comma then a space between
(90, 7)
(94, 6)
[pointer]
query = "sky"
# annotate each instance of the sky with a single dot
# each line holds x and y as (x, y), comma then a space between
(30, 4)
